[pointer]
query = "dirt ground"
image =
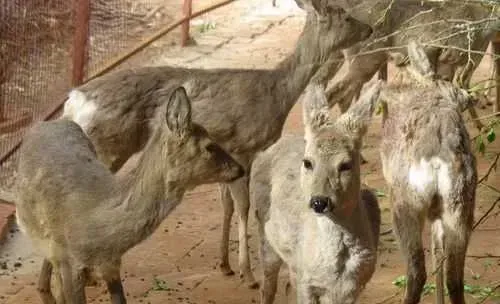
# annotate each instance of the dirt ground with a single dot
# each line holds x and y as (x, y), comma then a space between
(179, 262)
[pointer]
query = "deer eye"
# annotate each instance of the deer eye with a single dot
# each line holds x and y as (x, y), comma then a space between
(307, 164)
(211, 148)
(345, 166)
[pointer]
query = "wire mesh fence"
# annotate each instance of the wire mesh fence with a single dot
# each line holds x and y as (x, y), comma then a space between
(36, 49)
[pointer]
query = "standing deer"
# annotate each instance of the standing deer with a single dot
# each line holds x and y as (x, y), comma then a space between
(243, 110)
(83, 218)
(449, 28)
(431, 173)
(312, 213)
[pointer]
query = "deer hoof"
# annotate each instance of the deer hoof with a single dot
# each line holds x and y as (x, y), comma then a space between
(253, 285)
(226, 270)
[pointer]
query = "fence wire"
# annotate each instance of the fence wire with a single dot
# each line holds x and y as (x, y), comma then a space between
(36, 38)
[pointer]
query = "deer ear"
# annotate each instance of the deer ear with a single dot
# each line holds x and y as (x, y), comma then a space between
(355, 121)
(310, 5)
(315, 109)
(420, 66)
(455, 95)
(179, 112)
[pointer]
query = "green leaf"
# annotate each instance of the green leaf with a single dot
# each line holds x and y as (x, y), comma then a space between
(380, 193)
(400, 281)
(490, 136)
(481, 147)
(159, 284)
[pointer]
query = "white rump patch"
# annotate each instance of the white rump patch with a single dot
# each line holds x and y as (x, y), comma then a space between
(430, 176)
(79, 109)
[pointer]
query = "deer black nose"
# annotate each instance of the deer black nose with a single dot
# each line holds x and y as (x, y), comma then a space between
(320, 203)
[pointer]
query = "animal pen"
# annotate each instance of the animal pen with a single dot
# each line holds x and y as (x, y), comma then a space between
(49, 46)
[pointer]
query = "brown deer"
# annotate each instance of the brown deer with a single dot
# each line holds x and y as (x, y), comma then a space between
(83, 218)
(243, 110)
(312, 212)
(431, 172)
(449, 29)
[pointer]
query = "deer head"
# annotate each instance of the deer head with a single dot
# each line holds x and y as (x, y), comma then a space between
(330, 175)
(192, 157)
(330, 27)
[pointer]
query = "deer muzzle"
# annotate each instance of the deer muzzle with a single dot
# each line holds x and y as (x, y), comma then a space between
(321, 204)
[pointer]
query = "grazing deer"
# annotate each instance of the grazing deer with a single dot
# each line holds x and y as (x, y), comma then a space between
(243, 110)
(431, 173)
(312, 213)
(83, 218)
(449, 29)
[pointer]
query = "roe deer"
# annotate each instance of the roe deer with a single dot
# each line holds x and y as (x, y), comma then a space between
(431, 173)
(83, 218)
(312, 213)
(243, 110)
(449, 29)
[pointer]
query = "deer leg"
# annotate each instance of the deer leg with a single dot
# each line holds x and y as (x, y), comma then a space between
(228, 207)
(408, 226)
(462, 80)
(73, 284)
(58, 284)
(305, 294)
(44, 283)
(437, 259)
(382, 72)
(114, 283)
(241, 195)
(496, 51)
(456, 238)
(360, 70)
(271, 264)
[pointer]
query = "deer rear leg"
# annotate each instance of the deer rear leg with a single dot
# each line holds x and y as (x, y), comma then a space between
(228, 209)
(44, 283)
(437, 259)
(241, 196)
(408, 225)
(114, 283)
(456, 239)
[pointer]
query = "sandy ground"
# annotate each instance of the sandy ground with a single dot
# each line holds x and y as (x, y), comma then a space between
(179, 262)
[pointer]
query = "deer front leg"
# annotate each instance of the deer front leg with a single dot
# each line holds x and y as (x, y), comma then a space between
(357, 71)
(462, 79)
(271, 264)
(241, 196)
(305, 294)
(73, 284)
(44, 283)
(496, 52)
(228, 209)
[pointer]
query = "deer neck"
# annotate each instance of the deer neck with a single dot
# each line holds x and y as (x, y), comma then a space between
(147, 198)
(295, 72)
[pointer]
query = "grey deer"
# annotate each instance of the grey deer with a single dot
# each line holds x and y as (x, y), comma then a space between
(449, 28)
(431, 173)
(244, 110)
(312, 212)
(83, 218)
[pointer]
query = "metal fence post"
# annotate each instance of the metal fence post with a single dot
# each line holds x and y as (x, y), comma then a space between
(187, 10)
(80, 41)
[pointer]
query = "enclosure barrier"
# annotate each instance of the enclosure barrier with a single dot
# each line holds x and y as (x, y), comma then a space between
(80, 47)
